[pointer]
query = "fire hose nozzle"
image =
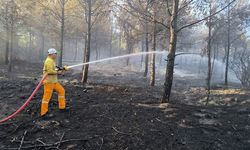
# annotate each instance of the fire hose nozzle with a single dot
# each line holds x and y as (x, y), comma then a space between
(64, 68)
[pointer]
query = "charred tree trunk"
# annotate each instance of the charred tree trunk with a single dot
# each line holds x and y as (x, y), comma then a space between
(111, 42)
(146, 45)
(171, 55)
(209, 73)
(30, 45)
(87, 54)
(142, 50)
(97, 53)
(85, 50)
(213, 62)
(228, 46)
(96, 49)
(119, 44)
(42, 48)
(129, 47)
(76, 48)
(7, 36)
(62, 32)
(10, 56)
(199, 69)
(146, 56)
(152, 74)
(7, 44)
(160, 60)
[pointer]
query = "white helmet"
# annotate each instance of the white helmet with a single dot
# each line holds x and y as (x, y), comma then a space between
(52, 51)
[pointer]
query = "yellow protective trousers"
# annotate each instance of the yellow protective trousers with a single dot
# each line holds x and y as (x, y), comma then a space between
(48, 91)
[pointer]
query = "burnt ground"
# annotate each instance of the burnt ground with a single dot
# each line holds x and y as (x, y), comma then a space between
(120, 111)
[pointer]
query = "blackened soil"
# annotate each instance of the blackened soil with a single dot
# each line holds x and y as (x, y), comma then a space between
(117, 116)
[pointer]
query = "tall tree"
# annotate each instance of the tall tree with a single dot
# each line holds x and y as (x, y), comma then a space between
(13, 18)
(173, 41)
(146, 41)
(57, 10)
(62, 4)
(175, 10)
(94, 11)
(87, 52)
(228, 44)
(5, 20)
(152, 73)
(209, 45)
(171, 52)
(7, 28)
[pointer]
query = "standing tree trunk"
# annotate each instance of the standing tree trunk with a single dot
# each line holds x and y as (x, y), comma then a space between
(76, 48)
(152, 75)
(96, 49)
(96, 52)
(111, 42)
(129, 48)
(171, 55)
(119, 44)
(42, 48)
(7, 35)
(30, 45)
(7, 44)
(199, 68)
(85, 50)
(62, 33)
(146, 48)
(209, 73)
(87, 54)
(10, 56)
(142, 50)
(228, 46)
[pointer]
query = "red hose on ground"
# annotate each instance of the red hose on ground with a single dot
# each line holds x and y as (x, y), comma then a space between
(26, 103)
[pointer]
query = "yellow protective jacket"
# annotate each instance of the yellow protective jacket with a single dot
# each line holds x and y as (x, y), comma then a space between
(50, 68)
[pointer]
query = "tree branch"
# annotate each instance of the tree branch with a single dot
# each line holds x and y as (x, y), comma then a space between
(169, 12)
(187, 3)
(198, 21)
(143, 15)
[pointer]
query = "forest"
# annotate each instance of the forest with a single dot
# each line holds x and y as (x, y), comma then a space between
(132, 74)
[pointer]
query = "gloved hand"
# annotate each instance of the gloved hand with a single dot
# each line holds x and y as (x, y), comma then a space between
(59, 72)
(64, 68)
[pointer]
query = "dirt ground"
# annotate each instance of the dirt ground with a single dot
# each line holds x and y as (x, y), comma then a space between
(118, 110)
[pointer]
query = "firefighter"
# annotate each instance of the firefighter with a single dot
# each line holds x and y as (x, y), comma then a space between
(51, 83)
